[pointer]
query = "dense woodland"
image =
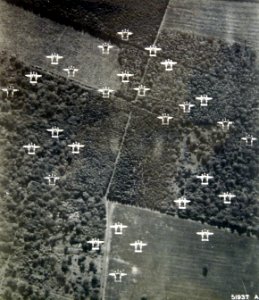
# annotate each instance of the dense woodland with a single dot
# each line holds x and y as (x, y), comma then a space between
(159, 163)
(103, 18)
(45, 229)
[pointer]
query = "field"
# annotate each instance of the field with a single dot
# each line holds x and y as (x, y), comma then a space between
(233, 21)
(176, 264)
(33, 37)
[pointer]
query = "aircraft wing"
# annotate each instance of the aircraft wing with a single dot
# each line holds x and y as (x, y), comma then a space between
(4, 90)
(112, 274)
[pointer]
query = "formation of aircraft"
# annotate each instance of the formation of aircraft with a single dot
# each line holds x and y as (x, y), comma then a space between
(10, 90)
(54, 58)
(31, 148)
(186, 106)
(106, 92)
(52, 179)
(205, 234)
(168, 63)
(125, 34)
(76, 147)
(105, 47)
(117, 275)
(96, 243)
(138, 245)
(203, 100)
(165, 118)
(118, 228)
(125, 76)
(182, 202)
(225, 124)
(141, 89)
(55, 132)
(227, 197)
(153, 50)
(249, 139)
(204, 178)
(33, 76)
(71, 71)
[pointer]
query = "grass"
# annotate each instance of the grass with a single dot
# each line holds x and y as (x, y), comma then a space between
(171, 266)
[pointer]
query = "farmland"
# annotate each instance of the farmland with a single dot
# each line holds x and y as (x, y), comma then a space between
(175, 259)
(34, 37)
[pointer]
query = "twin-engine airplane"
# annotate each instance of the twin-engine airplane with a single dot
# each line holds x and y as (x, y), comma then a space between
(165, 118)
(76, 147)
(125, 34)
(95, 244)
(55, 132)
(10, 90)
(54, 58)
(205, 234)
(168, 63)
(153, 50)
(118, 228)
(204, 100)
(138, 245)
(33, 77)
(204, 178)
(31, 148)
(117, 275)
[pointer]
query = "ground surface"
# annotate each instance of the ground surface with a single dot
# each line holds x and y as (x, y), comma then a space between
(33, 37)
(171, 265)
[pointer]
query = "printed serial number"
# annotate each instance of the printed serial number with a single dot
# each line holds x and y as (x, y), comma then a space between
(240, 297)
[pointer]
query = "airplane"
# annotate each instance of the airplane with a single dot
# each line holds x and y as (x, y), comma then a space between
(10, 89)
(106, 91)
(181, 202)
(52, 179)
(152, 50)
(95, 244)
(138, 246)
(33, 77)
(186, 106)
(225, 124)
(165, 119)
(55, 132)
(118, 228)
(125, 33)
(204, 178)
(71, 71)
(249, 139)
(54, 58)
(117, 275)
(141, 90)
(76, 147)
(204, 100)
(205, 234)
(31, 148)
(227, 197)
(105, 48)
(125, 76)
(168, 63)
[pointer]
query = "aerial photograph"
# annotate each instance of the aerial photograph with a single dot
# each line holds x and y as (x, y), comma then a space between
(129, 147)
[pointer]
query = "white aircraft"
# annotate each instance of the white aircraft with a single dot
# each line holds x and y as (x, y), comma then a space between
(55, 132)
(205, 234)
(165, 119)
(95, 244)
(141, 90)
(71, 71)
(225, 124)
(10, 89)
(76, 147)
(153, 50)
(227, 197)
(249, 139)
(125, 33)
(125, 76)
(117, 275)
(186, 106)
(118, 228)
(182, 202)
(105, 48)
(106, 91)
(138, 245)
(204, 100)
(168, 63)
(54, 58)
(33, 77)
(52, 179)
(204, 178)
(31, 148)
